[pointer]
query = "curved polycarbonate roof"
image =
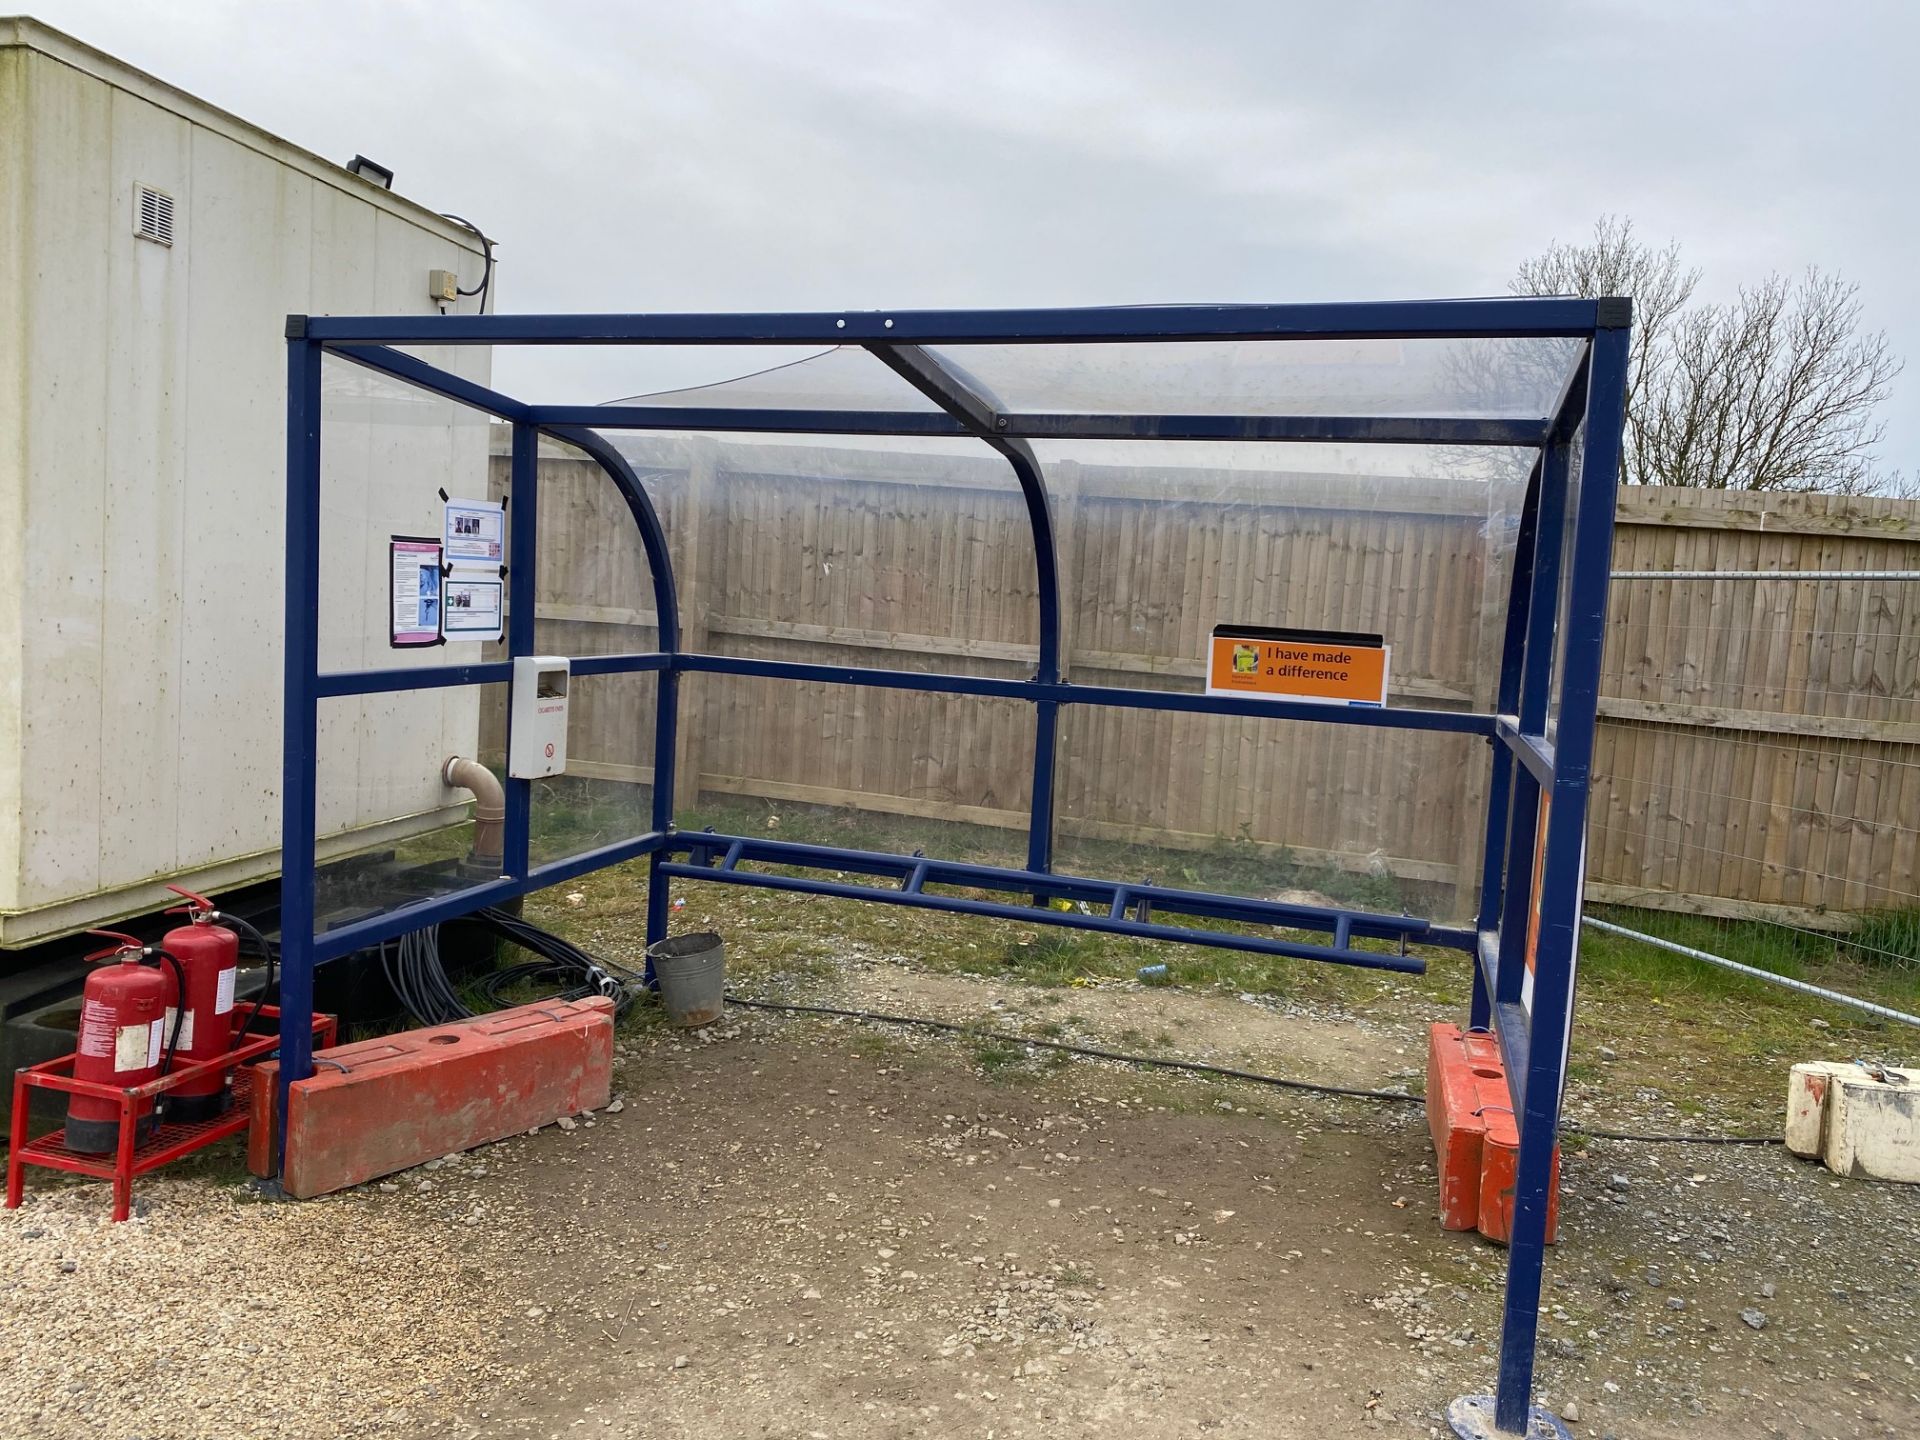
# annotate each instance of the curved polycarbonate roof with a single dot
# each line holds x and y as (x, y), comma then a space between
(1482, 379)
(843, 378)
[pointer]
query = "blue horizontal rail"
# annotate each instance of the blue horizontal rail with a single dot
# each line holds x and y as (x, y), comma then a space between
(1033, 915)
(742, 420)
(1397, 717)
(1342, 429)
(1374, 924)
(621, 664)
(335, 684)
(402, 920)
(338, 683)
(1533, 751)
(714, 856)
(1488, 319)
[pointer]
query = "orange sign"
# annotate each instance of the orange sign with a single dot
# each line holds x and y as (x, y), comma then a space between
(1297, 665)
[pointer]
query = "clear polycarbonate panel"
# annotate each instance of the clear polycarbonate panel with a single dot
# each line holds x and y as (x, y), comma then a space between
(1349, 816)
(857, 767)
(1557, 654)
(594, 590)
(388, 828)
(388, 451)
(606, 796)
(1161, 541)
(1482, 379)
(846, 377)
(877, 553)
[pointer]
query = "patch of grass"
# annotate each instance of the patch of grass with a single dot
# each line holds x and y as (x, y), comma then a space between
(871, 1044)
(1886, 939)
(992, 1057)
(1654, 1005)
(1828, 960)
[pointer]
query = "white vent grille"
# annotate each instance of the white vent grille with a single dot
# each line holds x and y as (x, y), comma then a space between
(153, 215)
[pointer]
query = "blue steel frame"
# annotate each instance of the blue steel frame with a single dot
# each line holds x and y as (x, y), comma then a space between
(1522, 945)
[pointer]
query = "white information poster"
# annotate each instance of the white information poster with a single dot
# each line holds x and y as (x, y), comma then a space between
(476, 532)
(475, 608)
(475, 537)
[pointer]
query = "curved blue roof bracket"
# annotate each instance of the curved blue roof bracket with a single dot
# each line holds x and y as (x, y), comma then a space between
(969, 403)
(963, 398)
(653, 536)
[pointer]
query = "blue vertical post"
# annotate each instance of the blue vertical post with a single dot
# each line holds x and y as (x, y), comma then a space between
(1543, 623)
(523, 573)
(666, 738)
(1550, 1017)
(1493, 858)
(1033, 488)
(299, 743)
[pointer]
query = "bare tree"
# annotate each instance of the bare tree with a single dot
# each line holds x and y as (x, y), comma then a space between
(1775, 390)
(1616, 262)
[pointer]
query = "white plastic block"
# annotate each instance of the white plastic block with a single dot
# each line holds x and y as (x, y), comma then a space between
(1807, 1089)
(1873, 1125)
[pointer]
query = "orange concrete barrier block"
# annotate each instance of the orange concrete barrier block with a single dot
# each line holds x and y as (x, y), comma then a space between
(1459, 1131)
(381, 1105)
(1498, 1162)
(1476, 1138)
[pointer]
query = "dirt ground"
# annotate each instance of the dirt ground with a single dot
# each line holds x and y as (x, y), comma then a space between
(795, 1227)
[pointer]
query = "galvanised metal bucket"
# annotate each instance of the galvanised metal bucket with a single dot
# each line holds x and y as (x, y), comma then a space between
(692, 971)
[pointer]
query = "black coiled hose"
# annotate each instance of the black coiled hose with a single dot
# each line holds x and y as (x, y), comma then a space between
(414, 969)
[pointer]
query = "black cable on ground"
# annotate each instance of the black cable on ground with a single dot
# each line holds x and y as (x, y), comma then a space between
(1201, 1068)
(561, 961)
(1588, 1132)
(1158, 1062)
(418, 976)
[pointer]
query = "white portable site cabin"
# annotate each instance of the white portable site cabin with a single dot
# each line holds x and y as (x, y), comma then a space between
(151, 247)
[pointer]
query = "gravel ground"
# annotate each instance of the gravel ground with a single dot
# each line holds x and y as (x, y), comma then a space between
(804, 1228)
(210, 1315)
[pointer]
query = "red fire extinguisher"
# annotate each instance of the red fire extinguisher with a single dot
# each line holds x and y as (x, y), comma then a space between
(209, 956)
(124, 1039)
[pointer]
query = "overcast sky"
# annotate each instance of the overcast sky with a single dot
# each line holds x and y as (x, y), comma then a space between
(802, 154)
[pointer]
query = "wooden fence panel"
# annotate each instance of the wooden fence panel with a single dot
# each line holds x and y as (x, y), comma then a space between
(1759, 745)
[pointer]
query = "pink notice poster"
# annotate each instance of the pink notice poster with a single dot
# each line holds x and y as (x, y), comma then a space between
(416, 599)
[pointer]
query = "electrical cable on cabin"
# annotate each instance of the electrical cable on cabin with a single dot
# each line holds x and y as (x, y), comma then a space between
(486, 245)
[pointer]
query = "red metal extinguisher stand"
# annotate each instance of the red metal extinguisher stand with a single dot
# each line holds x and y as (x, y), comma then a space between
(125, 1118)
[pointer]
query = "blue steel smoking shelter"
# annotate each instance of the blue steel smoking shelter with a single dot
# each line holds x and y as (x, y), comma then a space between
(1539, 734)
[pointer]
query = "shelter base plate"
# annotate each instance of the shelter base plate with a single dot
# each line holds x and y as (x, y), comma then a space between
(1471, 1417)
